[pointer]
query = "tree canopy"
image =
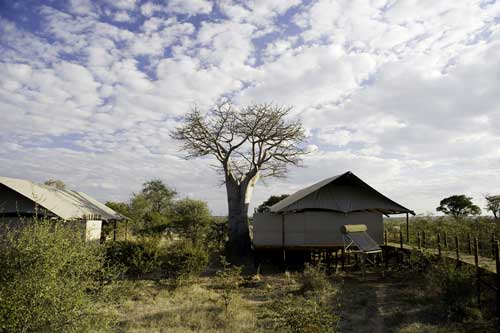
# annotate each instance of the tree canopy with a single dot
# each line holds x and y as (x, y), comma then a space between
(191, 218)
(273, 199)
(493, 205)
(244, 141)
(57, 183)
(458, 206)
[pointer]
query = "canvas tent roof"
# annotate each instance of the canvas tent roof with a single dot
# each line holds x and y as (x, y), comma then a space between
(66, 204)
(343, 193)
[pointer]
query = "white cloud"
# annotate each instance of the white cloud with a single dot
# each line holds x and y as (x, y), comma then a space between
(122, 16)
(81, 7)
(122, 4)
(403, 93)
(190, 7)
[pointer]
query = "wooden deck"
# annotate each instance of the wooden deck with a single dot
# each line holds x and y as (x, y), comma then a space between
(485, 263)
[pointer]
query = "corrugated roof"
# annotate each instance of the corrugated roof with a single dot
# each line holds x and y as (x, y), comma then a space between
(66, 204)
(360, 197)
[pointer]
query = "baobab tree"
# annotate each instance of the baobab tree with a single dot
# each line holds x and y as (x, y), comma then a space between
(248, 143)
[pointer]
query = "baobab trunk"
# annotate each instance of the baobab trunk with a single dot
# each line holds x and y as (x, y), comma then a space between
(238, 201)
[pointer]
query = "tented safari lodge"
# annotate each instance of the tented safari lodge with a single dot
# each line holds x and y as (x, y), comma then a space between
(23, 200)
(312, 218)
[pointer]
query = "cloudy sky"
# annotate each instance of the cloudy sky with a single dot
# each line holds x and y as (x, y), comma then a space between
(404, 93)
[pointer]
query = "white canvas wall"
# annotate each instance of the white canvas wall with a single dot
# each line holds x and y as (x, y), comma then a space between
(93, 230)
(312, 228)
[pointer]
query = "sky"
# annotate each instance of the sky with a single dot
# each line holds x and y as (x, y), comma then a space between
(404, 93)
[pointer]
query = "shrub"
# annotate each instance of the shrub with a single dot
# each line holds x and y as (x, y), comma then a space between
(135, 256)
(455, 288)
(228, 281)
(184, 259)
(46, 273)
(314, 279)
(298, 314)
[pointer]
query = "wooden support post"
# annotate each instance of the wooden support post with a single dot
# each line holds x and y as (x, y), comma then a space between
(283, 239)
(401, 246)
(385, 237)
(114, 230)
(386, 257)
(343, 257)
(407, 229)
(497, 261)
(493, 244)
(423, 239)
(419, 242)
(469, 243)
(445, 240)
(126, 229)
(457, 249)
(478, 272)
(439, 244)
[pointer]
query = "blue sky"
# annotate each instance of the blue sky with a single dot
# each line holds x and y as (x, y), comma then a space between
(403, 93)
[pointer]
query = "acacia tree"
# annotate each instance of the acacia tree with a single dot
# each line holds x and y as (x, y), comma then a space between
(493, 205)
(248, 143)
(458, 206)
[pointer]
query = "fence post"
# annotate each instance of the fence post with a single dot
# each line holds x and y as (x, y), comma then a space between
(457, 249)
(445, 239)
(385, 237)
(497, 261)
(478, 272)
(469, 243)
(439, 244)
(419, 242)
(401, 239)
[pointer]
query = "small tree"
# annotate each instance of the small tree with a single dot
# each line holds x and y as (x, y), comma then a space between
(249, 143)
(458, 206)
(273, 199)
(493, 205)
(191, 218)
(228, 280)
(152, 208)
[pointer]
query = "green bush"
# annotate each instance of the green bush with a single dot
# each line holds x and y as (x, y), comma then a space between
(228, 281)
(184, 260)
(298, 314)
(455, 287)
(135, 256)
(49, 280)
(314, 279)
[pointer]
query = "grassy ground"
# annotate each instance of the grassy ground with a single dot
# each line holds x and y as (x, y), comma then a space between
(383, 302)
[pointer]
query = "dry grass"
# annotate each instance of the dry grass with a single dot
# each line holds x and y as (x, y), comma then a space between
(398, 302)
(147, 306)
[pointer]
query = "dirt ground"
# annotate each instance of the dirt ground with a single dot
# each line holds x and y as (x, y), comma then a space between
(393, 302)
